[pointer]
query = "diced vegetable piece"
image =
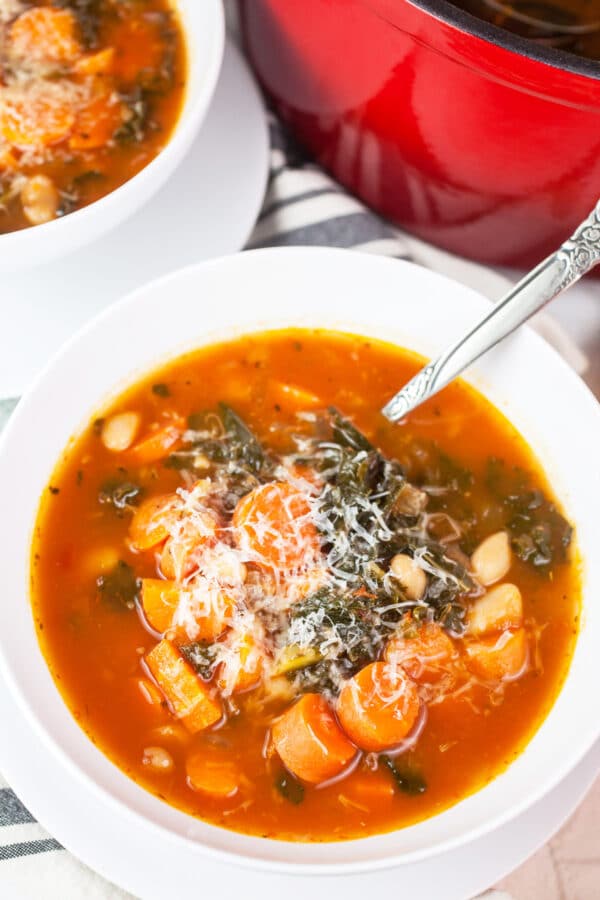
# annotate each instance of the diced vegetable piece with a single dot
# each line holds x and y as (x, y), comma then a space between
(212, 775)
(119, 431)
(310, 742)
(181, 554)
(273, 525)
(205, 611)
(492, 559)
(158, 759)
(426, 655)
(40, 199)
(500, 608)
(150, 523)
(99, 63)
(294, 657)
(35, 118)
(159, 601)
(502, 658)
(157, 444)
(188, 697)
(96, 122)
(294, 395)
(242, 666)
(378, 707)
(45, 34)
(411, 576)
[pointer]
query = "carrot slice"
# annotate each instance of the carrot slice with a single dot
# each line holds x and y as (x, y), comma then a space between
(45, 34)
(501, 658)
(156, 445)
(96, 123)
(159, 601)
(37, 117)
(152, 519)
(378, 707)
(272, 524)
(187, 696)
(212, 775)
(425, 656)
(310, 742)
(204, 612)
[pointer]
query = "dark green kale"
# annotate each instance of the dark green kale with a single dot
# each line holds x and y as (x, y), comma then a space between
(225, 440)
(119, 588)
(407, 781)
(540, 535)
(120, 493)
(161, 389)
(290, 788)
(349, 631)
(201, 656)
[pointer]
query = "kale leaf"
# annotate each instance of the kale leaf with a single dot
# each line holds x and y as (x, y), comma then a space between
(119, 588)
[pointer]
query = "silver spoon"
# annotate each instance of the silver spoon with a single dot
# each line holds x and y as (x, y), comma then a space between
(553, 276)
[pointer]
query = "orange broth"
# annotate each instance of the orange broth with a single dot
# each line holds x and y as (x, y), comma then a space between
(95, 650)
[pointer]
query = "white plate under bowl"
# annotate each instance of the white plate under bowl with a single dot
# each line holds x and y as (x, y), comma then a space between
(380, 297)
(207, 208)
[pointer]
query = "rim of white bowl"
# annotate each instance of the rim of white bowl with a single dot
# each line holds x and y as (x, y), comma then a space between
(196, 845)
(196, 101)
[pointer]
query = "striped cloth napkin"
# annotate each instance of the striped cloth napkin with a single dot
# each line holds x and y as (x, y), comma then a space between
(302, 206)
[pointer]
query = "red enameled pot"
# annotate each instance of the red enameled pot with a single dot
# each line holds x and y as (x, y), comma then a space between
(464, 134)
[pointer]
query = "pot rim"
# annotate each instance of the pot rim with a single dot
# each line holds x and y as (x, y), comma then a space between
(463, 21)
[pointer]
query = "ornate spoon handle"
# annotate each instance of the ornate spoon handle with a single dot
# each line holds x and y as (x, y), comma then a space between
(554, 275)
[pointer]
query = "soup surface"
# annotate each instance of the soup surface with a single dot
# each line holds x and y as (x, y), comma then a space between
(89, 93)
(572, 25)
(282, 614)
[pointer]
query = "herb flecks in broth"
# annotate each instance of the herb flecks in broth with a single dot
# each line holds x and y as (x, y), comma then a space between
(328, 626)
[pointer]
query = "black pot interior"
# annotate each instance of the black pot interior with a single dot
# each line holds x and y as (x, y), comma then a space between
(470, 24)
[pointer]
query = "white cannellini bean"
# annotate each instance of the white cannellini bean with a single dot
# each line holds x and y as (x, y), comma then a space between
(492, 558)
(500, 608)
(40, 199)
(412, 578)
(119, 431)
(158, 758)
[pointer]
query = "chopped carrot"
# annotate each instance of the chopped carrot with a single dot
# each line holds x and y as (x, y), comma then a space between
(99, 63)
(425, 656)
(152, 519)
(368, 788)
(46, 34)
(310, 742)
(188, 697)
(181, 555)
(8, 160)
(212, 775)
(157, 444)
(159, 601)
(35, 118)
(272, 524)
(242, 667)
(96, 123)
(205, 611)
(500, 658)
(378, 707)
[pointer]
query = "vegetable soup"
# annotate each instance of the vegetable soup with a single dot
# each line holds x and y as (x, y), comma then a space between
(90, 91)
(282, 614)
